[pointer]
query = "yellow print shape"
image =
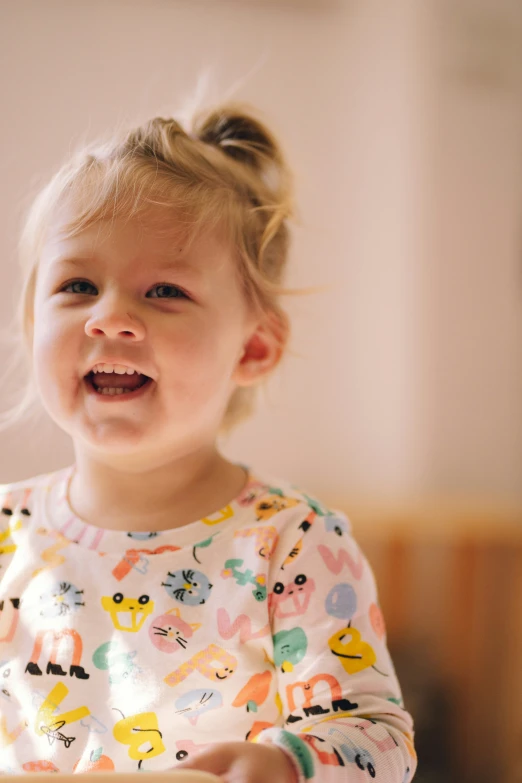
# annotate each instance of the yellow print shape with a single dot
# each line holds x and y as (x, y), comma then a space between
(50, 555)
(142, 734)
(269, 506)
(220, 516)
(8, 737)
(134, 610)
(354, 654)
(265, 539)
(15, 523)
(8, 548)
(45, 716)
(202, 662)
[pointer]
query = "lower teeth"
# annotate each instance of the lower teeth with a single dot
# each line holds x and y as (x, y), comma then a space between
(109, 391)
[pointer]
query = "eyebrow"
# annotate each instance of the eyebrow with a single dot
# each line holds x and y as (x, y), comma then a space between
(167, 264)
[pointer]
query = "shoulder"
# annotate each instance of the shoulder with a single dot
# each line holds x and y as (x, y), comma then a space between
(20, 496)
(270, 495)
(293, 512)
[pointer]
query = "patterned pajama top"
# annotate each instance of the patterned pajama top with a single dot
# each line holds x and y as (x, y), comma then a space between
(129, 651)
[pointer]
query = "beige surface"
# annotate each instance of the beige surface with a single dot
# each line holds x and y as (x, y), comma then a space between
(173, 776)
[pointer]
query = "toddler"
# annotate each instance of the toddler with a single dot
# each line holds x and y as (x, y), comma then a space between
(162, 607)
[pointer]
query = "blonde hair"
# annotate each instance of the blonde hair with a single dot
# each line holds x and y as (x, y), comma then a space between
(226, 170)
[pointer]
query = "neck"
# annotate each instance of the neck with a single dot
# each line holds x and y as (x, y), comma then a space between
(164, 496)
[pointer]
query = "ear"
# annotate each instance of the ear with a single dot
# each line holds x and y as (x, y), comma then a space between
(262, 350)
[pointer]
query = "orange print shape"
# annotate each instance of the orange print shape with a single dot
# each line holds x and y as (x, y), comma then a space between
(255, 692)
(377, 621)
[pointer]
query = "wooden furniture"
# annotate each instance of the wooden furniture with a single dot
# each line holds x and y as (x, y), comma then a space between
(449, 576)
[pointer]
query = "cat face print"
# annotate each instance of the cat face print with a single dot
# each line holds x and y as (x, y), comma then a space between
(5, 672)
(169, 632)
(188, 586)
(61, 599)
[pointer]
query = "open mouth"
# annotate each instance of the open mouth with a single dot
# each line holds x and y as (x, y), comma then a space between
(118, 392)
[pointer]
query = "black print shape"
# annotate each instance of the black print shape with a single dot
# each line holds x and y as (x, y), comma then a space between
(316, 709)
(55, 668)
(345, 705)
(78, 671)
(33, 668)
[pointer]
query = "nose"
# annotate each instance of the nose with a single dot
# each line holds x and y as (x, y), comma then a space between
(114, 321)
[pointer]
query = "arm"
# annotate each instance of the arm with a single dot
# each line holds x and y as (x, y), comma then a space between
(342, 704)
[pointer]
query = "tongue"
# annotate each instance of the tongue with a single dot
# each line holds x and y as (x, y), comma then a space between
(104, 380)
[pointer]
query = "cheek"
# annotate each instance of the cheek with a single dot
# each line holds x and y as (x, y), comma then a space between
(56, 355)
(196, 337)
(203, 353)
(50, 343)
(50, 330)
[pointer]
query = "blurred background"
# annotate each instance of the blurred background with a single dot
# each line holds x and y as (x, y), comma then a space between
(403, 402)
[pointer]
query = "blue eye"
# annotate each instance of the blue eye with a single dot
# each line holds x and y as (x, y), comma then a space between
(76, 282)
(179, 293)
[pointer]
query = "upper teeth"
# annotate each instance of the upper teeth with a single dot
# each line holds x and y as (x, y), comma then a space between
(121, 369)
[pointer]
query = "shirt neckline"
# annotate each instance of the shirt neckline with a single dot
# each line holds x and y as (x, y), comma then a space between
(59, 515)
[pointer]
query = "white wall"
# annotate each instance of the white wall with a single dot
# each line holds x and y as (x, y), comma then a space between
(473, 297)
(408, 177)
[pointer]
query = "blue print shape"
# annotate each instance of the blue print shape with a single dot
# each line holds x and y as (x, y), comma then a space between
(61, 599)
(142, 536)
(196, 702)
(188, 586)
(5, 672)
(341, 601)
(335, 524)
(353, 753)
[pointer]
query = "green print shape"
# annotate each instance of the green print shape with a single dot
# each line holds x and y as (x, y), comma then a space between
(116, 660)
(316, 506)
(246, 577)
(276, 491)
(289, 648)
(201, 545)
(300, 750)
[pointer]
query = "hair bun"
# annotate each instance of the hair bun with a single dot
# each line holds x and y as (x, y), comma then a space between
(239, 135)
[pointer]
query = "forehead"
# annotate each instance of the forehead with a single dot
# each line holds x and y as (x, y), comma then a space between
(155, 234)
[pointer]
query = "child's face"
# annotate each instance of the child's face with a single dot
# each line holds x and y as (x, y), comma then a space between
(190, 347)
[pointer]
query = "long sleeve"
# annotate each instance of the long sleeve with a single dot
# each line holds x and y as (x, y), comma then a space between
(130, 652)
(342, 705)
